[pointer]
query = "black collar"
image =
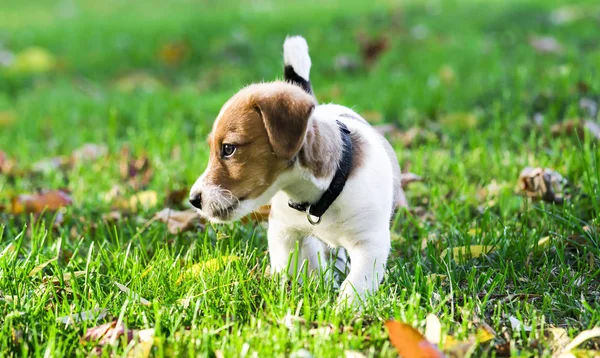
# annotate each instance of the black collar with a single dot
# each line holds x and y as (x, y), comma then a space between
(337, 183)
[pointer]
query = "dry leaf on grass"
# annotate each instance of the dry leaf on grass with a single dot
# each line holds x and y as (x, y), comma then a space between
(208, 266)
(33, 60)
(141, 200)
(466, 252)
(50, 200)
(137, 171)
(40, 267)
(260, 215)
(577, 341)
(409, 343)
(372, 47)
(179, 221)
(175, 197)
(517, 325)
(7, 118)
(542, 183)
(576, 127)
(7, 165)
(109, 333)
(173, 53)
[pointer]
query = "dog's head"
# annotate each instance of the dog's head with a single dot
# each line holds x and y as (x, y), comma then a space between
(254, 140)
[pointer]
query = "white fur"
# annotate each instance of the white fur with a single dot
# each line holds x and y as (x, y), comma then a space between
(358, 220)
(295, 54)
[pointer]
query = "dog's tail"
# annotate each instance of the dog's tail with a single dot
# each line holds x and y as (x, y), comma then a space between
(297, 62)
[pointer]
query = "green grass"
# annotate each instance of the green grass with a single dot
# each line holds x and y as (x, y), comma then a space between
(497, 76)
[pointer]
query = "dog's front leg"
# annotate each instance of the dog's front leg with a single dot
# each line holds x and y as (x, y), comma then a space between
(368, 257)
(282, 245)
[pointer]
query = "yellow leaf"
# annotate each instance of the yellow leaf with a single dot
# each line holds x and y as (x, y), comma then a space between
(459, 120)
(7, 118)
(33, 60)
(144, 199)
(208, 266)
(484, 335)
(472, 251)
(544, 242)
(40, 267)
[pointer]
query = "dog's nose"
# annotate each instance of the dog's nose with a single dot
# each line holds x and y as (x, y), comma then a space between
(196, 201)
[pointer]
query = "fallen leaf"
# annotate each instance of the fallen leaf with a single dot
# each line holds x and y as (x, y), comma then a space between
(137, 171)
(173, 53)
(175, 197)
(581, 338)
(7, 118)
(460, 121)
(433, 329)
(144, 199)
(485, 333)
(134, 295)
(447, 75)
(33, 60)
(542, 183)
(143, 346)
(409, 343)
(208, 266)
(407, 178)
(371, 48)
(179, 221)
(7, 165)
(353, 354)
(557, 338)
(517, 325)
(472, 251)
(90, 315)
(138, 81)
(260, 215)
(544, 242)
(50, 200)
(545, 44)
(576, 127)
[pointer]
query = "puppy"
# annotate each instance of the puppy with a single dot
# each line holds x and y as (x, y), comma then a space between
(332, 180)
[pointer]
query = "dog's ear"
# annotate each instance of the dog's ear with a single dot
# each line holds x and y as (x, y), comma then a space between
(285, 113)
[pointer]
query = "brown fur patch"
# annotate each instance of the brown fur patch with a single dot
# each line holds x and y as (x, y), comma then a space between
(358, 152)
(261, 121)
(322, 149)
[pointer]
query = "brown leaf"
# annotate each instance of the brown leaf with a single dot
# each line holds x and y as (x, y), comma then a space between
(372, 47)
(50, 200)
(260, 215)
(542, 183)
(109, 333)
(409, 343)
(7, 118)
(545, 44)
(173, 53)
(175, 197)
(179, 221)
(7, 165)
(576, 127)
(136, 171)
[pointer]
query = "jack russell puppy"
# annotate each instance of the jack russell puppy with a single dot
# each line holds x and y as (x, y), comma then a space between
(332, 180)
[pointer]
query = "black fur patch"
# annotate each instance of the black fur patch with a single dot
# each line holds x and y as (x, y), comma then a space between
(292, 77)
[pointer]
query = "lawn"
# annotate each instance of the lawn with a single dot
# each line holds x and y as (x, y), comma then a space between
(475, 92)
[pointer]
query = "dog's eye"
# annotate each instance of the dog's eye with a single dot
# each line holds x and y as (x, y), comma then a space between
(227, 150)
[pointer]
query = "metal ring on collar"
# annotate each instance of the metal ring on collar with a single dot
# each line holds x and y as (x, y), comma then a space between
(310, 218)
